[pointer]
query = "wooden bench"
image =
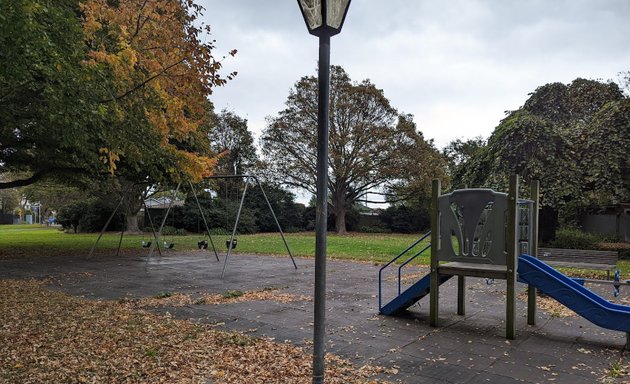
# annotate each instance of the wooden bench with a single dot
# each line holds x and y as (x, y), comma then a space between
(580, 258)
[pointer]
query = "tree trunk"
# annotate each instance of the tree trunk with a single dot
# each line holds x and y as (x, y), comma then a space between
(339, 210)
(132, 222)
(340, 223)
(131, 208)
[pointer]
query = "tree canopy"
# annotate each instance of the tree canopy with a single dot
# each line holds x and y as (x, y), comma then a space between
(99, 86)
(372, 146)
(231, 137)
(574, 138)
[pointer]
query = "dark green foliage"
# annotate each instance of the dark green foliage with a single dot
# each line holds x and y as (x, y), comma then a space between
(606, 154)
(231, 136)
(573, 238)
(461, 157)
(172, 231)
(574, 138)
(375, 229)
(45, 99)
(89, 216)
(405, 219)
(290, 215)
(70, 215)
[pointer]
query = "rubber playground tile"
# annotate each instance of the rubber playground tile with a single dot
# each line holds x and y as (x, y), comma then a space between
(466, 349)
(444, 371)
(522, 371)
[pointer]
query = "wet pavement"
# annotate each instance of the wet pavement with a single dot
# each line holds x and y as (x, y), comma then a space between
(464, 349)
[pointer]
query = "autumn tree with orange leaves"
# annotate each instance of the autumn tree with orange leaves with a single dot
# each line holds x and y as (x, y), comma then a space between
(108, 90)
(101, 87)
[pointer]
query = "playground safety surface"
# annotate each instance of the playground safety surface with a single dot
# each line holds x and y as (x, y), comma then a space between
(464, 349)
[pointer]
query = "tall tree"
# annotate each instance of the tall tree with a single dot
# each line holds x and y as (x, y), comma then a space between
(460, 156)
(606, 155)
(231, 137)
(372, 147)
(45, 103)
(574, 138)
(96, 86)
(624, 81)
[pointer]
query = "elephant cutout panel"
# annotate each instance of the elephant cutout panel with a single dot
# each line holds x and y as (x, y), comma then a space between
(472, 225)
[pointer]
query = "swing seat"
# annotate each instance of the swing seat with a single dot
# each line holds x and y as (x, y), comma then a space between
(168, 245)
(203, 244)
(227, 243)
(146, 244)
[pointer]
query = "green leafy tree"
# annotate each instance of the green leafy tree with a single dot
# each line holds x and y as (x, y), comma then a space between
(461, 156)
(98, 86)
(45, 101)
(372, 147)
(231, 137)
(290, 214)
(573, 138)
(606, 155)
(624, 81)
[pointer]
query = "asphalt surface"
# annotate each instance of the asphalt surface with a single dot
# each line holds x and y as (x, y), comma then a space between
(464, 349)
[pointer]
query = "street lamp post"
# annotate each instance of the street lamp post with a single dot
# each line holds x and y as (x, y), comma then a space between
(324, 18)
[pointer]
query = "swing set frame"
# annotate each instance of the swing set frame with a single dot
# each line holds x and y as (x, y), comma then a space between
(231, 243)
(158, 235)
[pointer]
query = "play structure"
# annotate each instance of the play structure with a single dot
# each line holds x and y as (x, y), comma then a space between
(231, 243)
(493, 235)
(159, 242)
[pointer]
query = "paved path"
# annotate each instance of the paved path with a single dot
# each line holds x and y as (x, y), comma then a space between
(465, 349)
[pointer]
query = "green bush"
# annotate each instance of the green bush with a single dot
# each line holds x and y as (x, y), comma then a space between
(172, 231)
(89, 216)
(375, 229)
(573, 238)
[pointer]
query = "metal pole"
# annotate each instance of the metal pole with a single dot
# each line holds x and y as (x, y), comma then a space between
(238, 216)
(205, 222)
(533, 247)
(107, 223)
(321, 219)
(155, 237)
(512, 240)
(276, 220)
(159, 234)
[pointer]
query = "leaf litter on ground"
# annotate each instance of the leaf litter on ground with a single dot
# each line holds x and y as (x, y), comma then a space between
(49, 337)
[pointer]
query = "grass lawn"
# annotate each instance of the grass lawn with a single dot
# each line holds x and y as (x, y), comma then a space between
(18, 240)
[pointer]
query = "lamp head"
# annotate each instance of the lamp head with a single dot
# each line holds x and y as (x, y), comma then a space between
(324, 17)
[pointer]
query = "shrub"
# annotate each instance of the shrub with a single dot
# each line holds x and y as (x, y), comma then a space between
(573, 238)
(89, 216)
(403, 219)
(375, 229)
(172, 231)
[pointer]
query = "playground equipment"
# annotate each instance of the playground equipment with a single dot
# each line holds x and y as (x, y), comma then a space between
(203, 244)
(232, 241)
(159, 244)
(477, 233)
(486, 234)
(145, 243)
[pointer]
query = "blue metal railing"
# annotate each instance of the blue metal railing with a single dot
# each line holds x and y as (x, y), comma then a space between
(380, 271)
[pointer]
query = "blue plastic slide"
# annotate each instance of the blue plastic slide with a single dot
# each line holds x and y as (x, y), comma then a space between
(574, 296)
(411, 295)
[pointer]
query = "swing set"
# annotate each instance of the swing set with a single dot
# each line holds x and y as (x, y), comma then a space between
(230, 243)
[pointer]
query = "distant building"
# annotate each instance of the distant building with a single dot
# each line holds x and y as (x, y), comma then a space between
(608, 220)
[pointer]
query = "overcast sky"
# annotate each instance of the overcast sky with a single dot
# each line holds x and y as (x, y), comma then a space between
(455, 65)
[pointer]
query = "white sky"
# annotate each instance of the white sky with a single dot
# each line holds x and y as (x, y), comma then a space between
(455, 65)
